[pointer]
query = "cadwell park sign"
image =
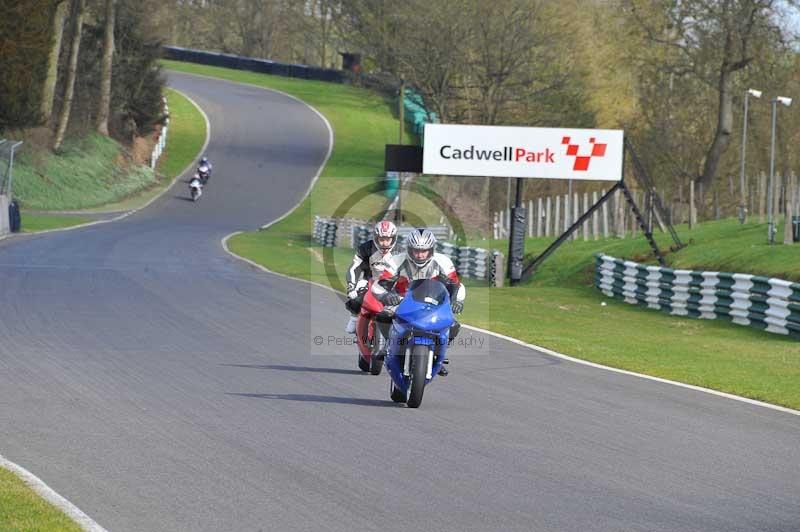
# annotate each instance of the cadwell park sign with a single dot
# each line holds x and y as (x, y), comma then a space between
(532, 152)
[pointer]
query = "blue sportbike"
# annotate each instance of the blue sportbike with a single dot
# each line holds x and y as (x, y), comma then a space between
(418, 340)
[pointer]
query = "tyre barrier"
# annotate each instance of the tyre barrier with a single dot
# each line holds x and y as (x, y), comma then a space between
(769, 304)
(325, 232)
(472, 263)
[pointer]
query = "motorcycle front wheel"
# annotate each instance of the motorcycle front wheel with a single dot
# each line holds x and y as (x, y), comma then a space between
(419, 369)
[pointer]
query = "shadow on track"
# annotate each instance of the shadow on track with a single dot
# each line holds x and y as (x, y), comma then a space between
(318, 399)
(298, 368)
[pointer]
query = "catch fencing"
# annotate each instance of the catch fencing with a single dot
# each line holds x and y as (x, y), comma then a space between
(760, 302)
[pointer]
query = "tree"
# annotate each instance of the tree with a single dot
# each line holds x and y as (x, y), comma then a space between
(707, 41)
(69, 90)
(103, 108)
(24, 46)
(49, 90)
(434, 52)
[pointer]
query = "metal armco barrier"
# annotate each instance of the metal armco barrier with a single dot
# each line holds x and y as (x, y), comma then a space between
(764, 303)
(264, 66)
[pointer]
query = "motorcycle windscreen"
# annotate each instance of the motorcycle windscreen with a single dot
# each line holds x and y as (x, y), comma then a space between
(429, 292)
(428, 307)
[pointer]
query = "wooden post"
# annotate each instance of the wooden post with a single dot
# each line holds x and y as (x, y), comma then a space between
(762, 197)
(539, 213)
(692, 208)
(634, 221)
(586, 223)
(575, 213)
(530, 218)
(548, 216)
(788, 209)
(596, 218)
(500, 224)
(605, 216)
(557, 216)
(495, 234)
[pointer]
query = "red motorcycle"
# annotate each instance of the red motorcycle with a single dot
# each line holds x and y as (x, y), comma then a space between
(368, 334)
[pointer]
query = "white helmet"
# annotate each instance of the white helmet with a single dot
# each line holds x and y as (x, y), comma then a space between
(420, 246)
(385, 229)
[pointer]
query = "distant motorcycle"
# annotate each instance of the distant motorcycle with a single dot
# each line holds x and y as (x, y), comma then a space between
(418, 340)
(196, 187)
(204, 172)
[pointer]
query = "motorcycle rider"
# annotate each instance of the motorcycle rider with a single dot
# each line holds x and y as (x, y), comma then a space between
(204, 169)
(196, 182)
(369, 262)
(420, 261)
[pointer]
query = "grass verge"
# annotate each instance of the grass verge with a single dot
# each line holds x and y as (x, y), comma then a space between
(22, 509)
(558, 309)
(32, 223)
(89, 172)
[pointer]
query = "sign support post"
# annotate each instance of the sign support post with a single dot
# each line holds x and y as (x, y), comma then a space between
(516, 237)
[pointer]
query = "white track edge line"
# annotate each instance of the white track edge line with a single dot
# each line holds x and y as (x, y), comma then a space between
(48, 494)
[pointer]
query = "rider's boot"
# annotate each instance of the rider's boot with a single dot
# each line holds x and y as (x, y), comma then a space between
(443, 370)
(351, 325)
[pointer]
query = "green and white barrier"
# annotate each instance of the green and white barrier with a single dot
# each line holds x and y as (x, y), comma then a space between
(761, 302)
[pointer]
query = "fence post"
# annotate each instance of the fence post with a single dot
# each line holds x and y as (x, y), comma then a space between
(548, 216)
(530, 218)
(692, 208)
(557, 216)
(539, 216)
(788, 202)
(575, 213)
(595, 218)
(605, 215)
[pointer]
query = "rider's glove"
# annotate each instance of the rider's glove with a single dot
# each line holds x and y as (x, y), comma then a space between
(351, 291)
(457, 307)
(391, 299)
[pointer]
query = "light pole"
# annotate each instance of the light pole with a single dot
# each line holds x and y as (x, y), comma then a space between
(743, 202)
(771, 222)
